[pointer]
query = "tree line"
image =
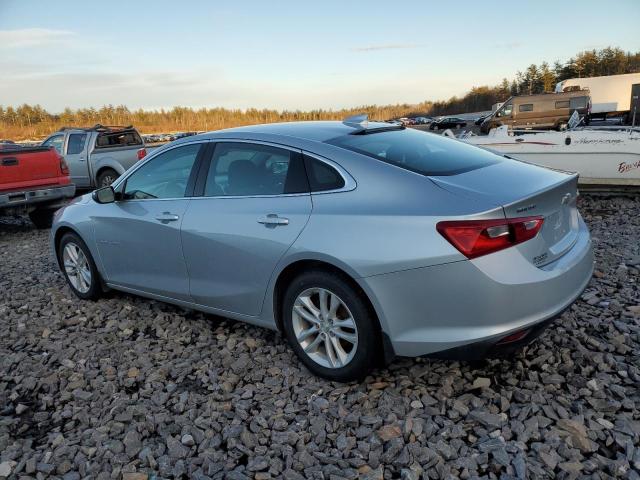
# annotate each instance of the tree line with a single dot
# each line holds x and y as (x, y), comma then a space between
(33, 121)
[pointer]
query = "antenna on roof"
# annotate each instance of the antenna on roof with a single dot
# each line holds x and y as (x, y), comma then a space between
(361, 121)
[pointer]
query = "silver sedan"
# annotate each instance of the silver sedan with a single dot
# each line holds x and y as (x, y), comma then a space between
(360, 241)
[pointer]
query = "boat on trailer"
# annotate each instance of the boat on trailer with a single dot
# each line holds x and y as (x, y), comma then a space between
(602, 156)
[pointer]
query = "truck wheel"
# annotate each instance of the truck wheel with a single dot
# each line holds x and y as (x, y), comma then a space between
(106, 177)
(42, 217)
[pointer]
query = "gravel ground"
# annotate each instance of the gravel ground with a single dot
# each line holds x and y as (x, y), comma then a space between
(126, 387)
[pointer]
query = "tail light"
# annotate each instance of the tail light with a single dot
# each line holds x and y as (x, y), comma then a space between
(64, 168)
(142, 153)
(474, 238)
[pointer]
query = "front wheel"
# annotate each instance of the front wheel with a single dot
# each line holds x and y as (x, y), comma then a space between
(106, 177)
(78, 267)
(329, 326)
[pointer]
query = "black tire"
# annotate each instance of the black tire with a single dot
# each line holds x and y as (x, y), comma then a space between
(42, 217)
(367, 349)
(95, 289)
(106, 177)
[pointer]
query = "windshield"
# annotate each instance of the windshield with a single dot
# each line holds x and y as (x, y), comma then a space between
(419, 152)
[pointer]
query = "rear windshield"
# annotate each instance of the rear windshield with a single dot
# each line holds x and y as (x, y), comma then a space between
(418, 151)
(118, 139)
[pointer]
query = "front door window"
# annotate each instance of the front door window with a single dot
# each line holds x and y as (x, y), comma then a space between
(164, 176)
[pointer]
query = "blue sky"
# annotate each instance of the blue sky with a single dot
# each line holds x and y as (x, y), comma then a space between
(287, 54)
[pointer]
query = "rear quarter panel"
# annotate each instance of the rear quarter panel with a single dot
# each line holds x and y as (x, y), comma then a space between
(386, 224)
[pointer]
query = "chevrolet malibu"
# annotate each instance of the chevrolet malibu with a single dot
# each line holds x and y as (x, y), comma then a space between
(359, 241)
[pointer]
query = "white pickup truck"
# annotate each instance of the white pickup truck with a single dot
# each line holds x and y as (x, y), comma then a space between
(96, 156)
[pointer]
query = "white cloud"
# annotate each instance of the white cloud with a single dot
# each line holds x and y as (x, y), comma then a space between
(32, 37)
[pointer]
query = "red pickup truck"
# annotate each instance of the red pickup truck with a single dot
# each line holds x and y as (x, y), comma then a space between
(33, 180)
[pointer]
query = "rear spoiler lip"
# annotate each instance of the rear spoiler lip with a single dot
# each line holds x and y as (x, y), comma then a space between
(572, 176)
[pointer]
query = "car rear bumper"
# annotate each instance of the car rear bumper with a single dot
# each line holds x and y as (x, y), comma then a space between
(467, 307)
(21, 198)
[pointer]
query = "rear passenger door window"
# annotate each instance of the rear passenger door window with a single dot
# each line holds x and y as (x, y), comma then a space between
(526, 107)
(246, 169)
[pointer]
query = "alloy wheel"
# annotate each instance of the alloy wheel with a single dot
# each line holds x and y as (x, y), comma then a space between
(324, 327)
(77, 268)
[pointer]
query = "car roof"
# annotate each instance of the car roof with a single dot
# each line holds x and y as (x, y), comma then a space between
(319, 131)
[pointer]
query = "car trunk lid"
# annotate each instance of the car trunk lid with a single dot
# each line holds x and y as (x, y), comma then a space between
(525, 190)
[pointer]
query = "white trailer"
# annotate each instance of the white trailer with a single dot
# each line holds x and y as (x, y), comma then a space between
(610, 95)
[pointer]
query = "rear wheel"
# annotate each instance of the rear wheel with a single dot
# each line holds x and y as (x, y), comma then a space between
(106, 177)
(78, 267)
(42, 217)
(329, 326)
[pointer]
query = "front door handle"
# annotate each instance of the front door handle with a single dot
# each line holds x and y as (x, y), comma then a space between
(273, 219)
(166, 217)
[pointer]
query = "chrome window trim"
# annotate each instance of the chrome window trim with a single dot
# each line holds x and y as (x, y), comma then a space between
(123, 178)
(255, 142)
(349, 182)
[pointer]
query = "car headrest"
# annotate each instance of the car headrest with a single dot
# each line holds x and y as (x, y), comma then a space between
(243, 178)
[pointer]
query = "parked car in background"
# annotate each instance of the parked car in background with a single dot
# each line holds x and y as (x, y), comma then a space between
(544, 110)
(447, 122)
(97, 155)
(33, 181)
(416, 244)
(423, 120)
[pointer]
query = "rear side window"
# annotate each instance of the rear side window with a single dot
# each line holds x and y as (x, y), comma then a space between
(419, 152)
(246, 169)
(322, 177)
(76, 143)
(526, 107)
(562, 104)
(118, 139)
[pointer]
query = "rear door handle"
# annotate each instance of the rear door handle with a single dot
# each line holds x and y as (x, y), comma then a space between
(273, 219)
(166, 217)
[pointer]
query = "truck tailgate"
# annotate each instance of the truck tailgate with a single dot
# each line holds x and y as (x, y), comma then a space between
(22, 168)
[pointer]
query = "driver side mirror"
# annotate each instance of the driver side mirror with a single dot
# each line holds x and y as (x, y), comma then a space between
(105, 195)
